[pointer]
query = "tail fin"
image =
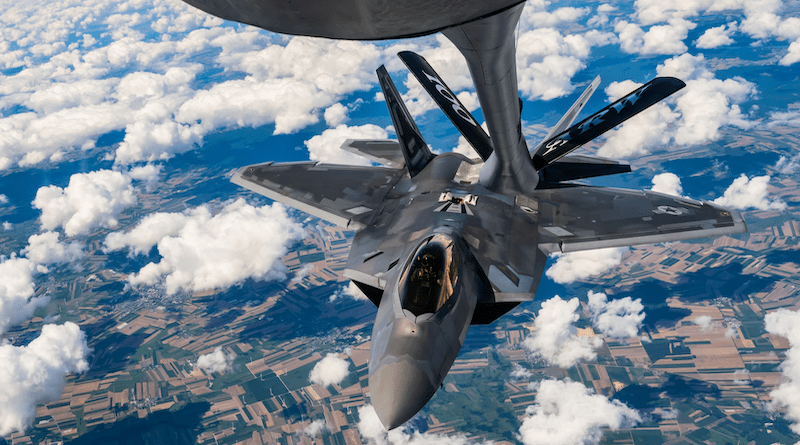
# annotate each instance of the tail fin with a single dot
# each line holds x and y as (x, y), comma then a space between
(607, 118)
(415, 150)
(571, 114)
(386, 153)
(449, 103)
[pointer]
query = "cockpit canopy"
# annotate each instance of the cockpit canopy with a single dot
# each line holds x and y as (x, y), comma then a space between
(430, 277)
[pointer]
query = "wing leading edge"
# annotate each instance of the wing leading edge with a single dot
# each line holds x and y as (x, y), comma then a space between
(584, 217)
(344, 195)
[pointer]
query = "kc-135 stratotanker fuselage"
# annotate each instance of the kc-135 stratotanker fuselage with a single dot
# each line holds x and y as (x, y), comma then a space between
(444, 241)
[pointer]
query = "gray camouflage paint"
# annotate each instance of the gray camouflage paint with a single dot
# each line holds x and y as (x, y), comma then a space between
(503, 215)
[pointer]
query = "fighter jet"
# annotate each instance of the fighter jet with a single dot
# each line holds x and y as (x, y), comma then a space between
(443, 242)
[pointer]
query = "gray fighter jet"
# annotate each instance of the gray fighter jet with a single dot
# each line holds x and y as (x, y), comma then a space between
(444, 241)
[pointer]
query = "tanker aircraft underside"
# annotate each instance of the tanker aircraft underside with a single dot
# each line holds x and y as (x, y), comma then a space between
(444, 241)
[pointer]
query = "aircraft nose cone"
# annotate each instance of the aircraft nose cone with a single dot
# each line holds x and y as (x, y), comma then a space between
(398, 391)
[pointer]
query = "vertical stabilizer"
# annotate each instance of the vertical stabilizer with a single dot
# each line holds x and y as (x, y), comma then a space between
(609, 117)
(569, 116)
(449, 103)
(415, 150)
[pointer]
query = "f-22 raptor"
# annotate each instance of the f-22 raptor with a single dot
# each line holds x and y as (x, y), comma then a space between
(443, 241)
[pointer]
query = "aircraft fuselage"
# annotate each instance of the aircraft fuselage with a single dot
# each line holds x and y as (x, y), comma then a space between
(431, 291)
(420, 327)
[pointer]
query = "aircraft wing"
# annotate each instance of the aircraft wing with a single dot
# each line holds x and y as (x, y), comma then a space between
(344, 195)
(584, 217)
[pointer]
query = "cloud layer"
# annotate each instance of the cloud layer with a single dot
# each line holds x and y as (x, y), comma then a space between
(568, 413)
(575, 266)
(216, 361)
(201, 251)
(150, 85)
(90, 200)
(667, 183)
(325, 147)
(16, 289)
(35, 373)
(331, 370)
(694, 115)
(555, 339)
(371, 429)
(620, 318)
(746, 193)
(46, 248)
(787, 394)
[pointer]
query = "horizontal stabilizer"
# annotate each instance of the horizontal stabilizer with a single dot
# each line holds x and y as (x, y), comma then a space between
(384, 152)
(449, 103)
(572, 167)
(415, 150)
(605, 119)
(572, 113)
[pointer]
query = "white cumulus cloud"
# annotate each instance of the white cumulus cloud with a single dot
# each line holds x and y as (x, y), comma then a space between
(520, 373)
(371, 429)
(34, 374)
(152, 141)
(335, 115)
(746, 193)
(704, 321)
(568, 413)
(536, 15)
(90, 200)
(659, 39)
(654, 11)
(331, 370)
(45, 248)
(150, 230)
(694, 115)
(201, 251)
(717, 36)
(315, 428)
(16, 289)
(350, 290)
(547, 60)
(667, 183)
(760, 19)
(793, 55)
(620, 318)
(787, 394)
(788, 166)
(287, 86)
(148, 173)
(741, 377)
(784, 118)
(575, 266)
(122, 76)
(325, 147)
(555, 338)
(216, 361)
(764, 19)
